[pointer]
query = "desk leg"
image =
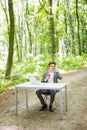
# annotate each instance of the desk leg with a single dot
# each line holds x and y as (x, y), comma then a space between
(26, 98)
(16, 101)
(66, 98)
(61, 114)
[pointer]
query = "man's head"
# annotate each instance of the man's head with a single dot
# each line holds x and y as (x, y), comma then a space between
(52, 65)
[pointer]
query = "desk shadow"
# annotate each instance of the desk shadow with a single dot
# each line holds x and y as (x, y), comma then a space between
(32, 113)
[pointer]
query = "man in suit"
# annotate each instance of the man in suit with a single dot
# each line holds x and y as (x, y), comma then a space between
(50, 76)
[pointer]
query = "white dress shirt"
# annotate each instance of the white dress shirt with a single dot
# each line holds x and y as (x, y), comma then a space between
(51, 80)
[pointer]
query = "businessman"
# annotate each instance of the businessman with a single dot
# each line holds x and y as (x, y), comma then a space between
(50, 76)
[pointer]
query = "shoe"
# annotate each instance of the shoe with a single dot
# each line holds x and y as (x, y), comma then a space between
(43, 108)
(51, 109)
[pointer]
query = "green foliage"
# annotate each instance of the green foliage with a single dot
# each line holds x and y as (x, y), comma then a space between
(38, 65)
(83, 1)
(73, 62)
(33, 64)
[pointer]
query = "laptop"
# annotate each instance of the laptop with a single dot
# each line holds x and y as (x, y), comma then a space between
(32, 79)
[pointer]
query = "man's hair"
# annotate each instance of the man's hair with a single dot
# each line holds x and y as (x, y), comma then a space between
(52, 62)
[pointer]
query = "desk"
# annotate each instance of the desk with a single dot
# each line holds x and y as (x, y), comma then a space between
(51, 86)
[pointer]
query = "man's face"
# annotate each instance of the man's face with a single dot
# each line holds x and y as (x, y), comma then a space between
(52, 67)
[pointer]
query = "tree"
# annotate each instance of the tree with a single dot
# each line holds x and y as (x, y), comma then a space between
(52, 30)
(11, 39)
(71, 27)
(78, 26)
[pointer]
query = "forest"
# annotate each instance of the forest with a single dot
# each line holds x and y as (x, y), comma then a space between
(34, 32)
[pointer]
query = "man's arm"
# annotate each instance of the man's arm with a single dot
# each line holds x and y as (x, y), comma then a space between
(59, 76)
(44, 79)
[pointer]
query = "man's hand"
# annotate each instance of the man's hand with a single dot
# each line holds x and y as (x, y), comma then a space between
(48, 76)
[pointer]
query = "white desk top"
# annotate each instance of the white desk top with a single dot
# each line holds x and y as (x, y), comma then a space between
(39, 85)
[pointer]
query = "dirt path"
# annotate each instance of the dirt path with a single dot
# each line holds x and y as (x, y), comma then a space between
(32, 119)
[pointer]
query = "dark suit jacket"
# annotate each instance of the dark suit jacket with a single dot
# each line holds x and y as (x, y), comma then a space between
(57, 76)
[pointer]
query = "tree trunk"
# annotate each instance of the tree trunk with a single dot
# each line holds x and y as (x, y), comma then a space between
(28, 28)
(17, 48)
(71, 28)
(79, 43)
(66, 26)
(83, 24)
(11, 39)
(52, 31)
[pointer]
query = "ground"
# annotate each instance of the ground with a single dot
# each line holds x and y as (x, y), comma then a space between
(32, 119)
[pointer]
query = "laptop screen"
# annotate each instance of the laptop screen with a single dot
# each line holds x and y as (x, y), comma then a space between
(32, 79)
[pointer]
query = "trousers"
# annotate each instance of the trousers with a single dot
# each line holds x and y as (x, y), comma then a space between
(41, 92)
